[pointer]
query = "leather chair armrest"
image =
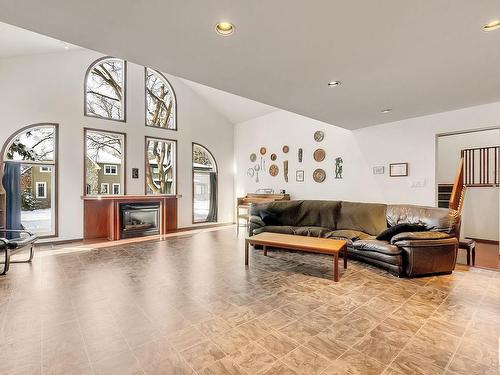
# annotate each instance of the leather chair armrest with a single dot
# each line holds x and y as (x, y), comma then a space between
(420, 236)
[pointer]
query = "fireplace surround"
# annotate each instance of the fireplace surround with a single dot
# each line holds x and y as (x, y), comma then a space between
(102, 219)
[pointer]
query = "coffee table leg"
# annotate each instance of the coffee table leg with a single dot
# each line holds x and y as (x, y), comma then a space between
(336, 267)
(345, 257)
(246, 252)
(265, 250)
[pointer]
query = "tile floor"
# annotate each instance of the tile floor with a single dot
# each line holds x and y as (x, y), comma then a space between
(188, 305)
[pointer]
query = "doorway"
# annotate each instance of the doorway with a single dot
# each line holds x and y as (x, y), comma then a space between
(480, 207)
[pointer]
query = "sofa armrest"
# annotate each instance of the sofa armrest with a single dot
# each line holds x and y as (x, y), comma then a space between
(420, 236)
(254, 222)
(257, 221)
(428, 257)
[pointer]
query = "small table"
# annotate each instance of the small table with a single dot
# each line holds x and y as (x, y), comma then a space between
(301, 243)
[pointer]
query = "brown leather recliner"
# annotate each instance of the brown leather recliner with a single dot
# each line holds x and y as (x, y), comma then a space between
(432, 251)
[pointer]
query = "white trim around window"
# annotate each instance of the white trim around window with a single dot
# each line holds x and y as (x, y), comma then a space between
(110, 170)
(104, 188)
(38, 185)
(116, 189)
(45, 169)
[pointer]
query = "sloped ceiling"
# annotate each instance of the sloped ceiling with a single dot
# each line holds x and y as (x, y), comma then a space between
(417, 57)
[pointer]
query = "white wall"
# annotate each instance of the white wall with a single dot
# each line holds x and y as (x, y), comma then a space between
(479, 219)
(49, 88)
(412, 141)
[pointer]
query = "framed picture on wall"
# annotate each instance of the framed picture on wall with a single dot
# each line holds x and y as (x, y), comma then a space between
(398, 169)
(379, 169)
(299, 175)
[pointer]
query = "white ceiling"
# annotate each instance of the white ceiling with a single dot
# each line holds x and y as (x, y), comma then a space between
(234, 108)
(417, 57)
(15, 41)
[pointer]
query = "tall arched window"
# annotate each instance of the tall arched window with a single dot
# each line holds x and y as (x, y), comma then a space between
(30, 179)
(105, 84)
(160, 101)
(204, 185)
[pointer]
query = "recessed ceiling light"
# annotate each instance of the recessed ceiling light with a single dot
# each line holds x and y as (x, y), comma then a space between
(224, 28)
(493, 25)
(334, 83)
(387, 110)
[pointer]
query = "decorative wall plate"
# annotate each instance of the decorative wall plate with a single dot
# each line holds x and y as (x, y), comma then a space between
(319, 175)
(274, 170)
(273, 157)
(319, 154)
(250, 172)
(286, 149)
(319, 136)
(263, 150)
(253, 157)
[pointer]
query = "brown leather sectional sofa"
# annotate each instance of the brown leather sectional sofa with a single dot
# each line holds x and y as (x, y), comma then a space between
(433, 250)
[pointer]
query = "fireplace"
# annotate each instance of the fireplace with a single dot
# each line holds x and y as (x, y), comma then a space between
(139, 219)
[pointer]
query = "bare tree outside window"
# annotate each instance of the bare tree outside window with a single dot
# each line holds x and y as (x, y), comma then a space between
(104, 89)
(160, 101)
(160, 166)
(103, 149)
(36, 144)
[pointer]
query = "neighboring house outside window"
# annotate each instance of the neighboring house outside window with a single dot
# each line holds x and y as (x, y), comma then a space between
(105, 161)
(110, 169)
(41, 190)
(116, 189)
(104, 188)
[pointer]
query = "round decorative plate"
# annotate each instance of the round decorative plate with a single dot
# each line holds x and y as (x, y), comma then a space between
(319, 175)
(253, 157)
(319, 154)
(286, 149)
(263, 150)
(274, 170)
(273, 157)
(319, 136)
(250, 172)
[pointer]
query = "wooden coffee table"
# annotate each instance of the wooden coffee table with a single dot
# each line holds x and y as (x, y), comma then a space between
(301, 243)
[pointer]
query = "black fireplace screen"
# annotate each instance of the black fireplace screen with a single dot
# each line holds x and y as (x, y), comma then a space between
(139, 219)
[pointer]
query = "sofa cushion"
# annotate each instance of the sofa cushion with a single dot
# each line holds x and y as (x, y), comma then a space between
(352, 235)
(269, 217)
(283, 229)
(300, 213)
(390, 232)
(377, 246)
(364, 217)
(376, 258)
(435, 219)
(296, 231)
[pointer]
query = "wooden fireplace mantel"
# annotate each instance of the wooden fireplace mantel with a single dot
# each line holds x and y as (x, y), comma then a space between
(101, 214)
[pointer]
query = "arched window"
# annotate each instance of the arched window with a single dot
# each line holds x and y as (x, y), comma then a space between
(30, 180)
(105, 89)
(160, 101)
(204, 185)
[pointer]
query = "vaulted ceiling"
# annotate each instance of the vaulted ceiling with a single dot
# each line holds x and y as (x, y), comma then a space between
(417, 57)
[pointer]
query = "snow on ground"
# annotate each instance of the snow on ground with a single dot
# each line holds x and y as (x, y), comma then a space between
(37, 221)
